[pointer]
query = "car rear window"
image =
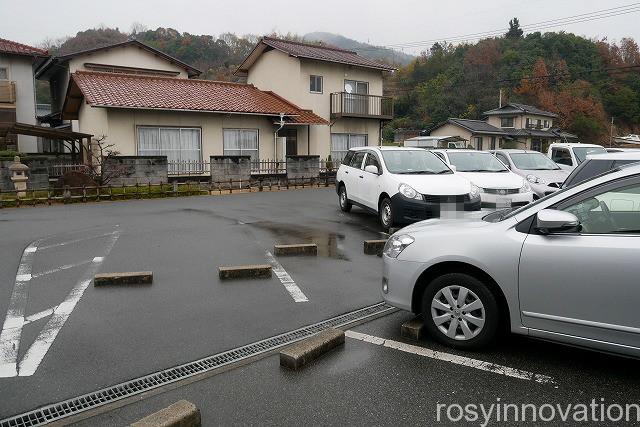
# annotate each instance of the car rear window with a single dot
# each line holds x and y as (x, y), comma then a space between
(586, 171)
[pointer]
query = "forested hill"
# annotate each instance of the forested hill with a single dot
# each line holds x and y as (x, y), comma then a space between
(584, 81)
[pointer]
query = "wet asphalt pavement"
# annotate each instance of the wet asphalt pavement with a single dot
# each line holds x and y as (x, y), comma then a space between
(117, 333)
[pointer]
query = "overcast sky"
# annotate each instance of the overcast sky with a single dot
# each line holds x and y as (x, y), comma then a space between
(380, 22)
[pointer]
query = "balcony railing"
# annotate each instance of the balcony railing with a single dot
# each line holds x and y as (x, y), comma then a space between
(7, 92)
(364, 106)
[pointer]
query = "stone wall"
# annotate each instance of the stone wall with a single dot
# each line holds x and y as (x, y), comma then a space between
(129, 170)
(38, 173)
(303, 167)
(236, 168)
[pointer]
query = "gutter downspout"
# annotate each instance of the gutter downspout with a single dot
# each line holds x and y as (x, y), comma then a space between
(275, 137)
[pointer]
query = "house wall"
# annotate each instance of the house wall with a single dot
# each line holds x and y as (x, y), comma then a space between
(289, 77)
(520, 121)
(20, 70)
(452, 130)
(119, 126)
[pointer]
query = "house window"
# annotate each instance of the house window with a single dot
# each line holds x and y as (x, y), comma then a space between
(528, 122)
(4, 74)
(478, 142)
(493, 142)
(178, 144)
(506, 122)
(342, 142)
(315, 84)
(241, 142)
(546, 124)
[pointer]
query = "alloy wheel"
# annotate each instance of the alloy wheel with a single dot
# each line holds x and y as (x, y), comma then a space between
(458, 312)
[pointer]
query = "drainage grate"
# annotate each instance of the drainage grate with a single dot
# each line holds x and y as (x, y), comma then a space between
(57, 411)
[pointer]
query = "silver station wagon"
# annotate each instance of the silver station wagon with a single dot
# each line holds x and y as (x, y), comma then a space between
(564, 268)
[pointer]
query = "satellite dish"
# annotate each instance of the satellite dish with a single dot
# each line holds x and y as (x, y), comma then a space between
(348, 88)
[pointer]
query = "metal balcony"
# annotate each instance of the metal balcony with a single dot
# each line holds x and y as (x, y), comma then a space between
(361, 106)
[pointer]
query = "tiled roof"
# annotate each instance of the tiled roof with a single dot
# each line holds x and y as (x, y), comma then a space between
(477, 126)
(15, 48)
(311, 51)
(516, 108)
(165, 93)
(532, 132)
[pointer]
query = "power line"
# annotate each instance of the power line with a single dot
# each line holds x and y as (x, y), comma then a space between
(573, 19)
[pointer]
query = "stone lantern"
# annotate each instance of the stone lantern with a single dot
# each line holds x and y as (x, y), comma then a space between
(19, 176)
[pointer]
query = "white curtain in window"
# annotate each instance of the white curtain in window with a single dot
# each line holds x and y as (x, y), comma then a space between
(170, 142)
(190, 145)
(357, 140)
(341, 142)
(148, 142)
(241, 142)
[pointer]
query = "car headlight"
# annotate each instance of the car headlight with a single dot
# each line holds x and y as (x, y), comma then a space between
(407, 191)
(396, 244)
(475, 191)
(526, 188)
(535, 179)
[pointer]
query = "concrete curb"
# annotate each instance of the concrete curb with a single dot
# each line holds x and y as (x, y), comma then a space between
(298, 249)
(306, 351)
(413, 329)
(180, 414)
(257, 271)
(128, 278)
(374, 247)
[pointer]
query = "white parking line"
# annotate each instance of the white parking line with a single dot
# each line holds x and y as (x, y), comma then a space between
(37, 316)
(284, 277)
(61, 268)
(82, 239)
(14, 321)
(452, 358)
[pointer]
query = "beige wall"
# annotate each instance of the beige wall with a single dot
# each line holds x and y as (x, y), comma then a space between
(520, 121)
(452, 130)
(120, 125)
(289, 77)
(20, 70)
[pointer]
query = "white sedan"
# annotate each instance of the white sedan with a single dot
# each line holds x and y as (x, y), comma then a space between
(499, 187)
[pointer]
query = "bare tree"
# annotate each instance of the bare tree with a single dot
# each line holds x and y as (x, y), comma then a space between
(104, 167)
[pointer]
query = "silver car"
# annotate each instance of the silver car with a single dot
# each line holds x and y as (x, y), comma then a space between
(564, 268)
(543, 174)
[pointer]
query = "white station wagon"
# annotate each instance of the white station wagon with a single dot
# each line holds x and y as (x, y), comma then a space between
(402, 185)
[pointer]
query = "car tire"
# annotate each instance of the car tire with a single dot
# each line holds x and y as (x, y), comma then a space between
(385, 213)
(343, 200)
(456, 327)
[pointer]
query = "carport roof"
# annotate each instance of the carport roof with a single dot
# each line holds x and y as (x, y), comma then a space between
(117, 90)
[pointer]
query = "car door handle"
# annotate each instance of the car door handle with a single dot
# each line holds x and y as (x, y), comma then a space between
(347, 172)
(361, 176)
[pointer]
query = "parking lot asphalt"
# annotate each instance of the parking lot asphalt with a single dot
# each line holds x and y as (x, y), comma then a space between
(118, 333)
(367, 384)
(121, 332)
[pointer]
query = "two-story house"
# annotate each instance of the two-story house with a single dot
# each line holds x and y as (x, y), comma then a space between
(529, 126)
(17, 91)
(144, 102)
(520, 125)
(340, 86)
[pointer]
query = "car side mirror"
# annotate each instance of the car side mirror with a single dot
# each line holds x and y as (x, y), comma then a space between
(453, 168)
(372, 169)
(554, 221)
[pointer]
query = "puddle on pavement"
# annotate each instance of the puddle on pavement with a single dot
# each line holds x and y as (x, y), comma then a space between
(330, 244)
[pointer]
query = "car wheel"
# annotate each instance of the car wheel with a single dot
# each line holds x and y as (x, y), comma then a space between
(385, 213)
(345, 203)
(460, 311)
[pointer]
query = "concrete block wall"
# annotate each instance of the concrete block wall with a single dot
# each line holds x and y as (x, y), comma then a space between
(38, 173)
(130, 170)
(224, 168)
(303, 167)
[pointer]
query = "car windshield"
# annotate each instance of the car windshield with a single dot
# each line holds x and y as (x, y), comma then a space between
(533, 162)
(414, 162)
(582, 152)
(469, 161)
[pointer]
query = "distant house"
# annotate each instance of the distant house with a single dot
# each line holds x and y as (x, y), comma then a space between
(523, 126)
(17, 92)
(527, 125)
(340, 86)
(479, 134)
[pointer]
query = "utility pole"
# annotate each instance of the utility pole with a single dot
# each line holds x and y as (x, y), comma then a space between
(611, 133)
(500, 101)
